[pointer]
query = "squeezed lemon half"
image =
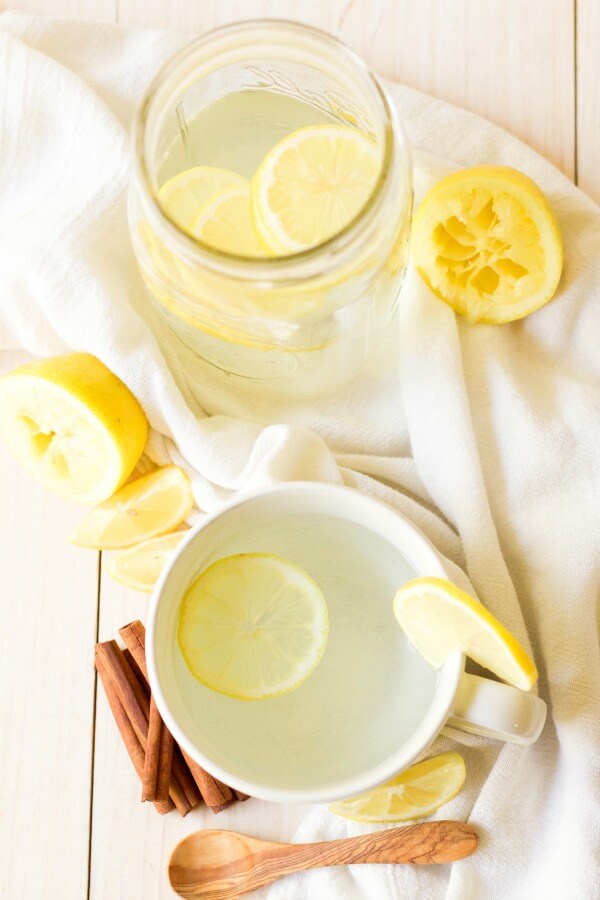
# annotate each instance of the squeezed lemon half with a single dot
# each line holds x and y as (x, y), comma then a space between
(415, 793)
(151, 505)
(72, 424)
(438, 618)
(253, 626)
(486, 241)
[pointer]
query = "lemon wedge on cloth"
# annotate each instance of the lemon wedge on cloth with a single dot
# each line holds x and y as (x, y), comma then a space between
(415, 793)
(253, 626)
(311, 185)
(486, 241)
(183, 195)
(140, 566)
(73, 424)
(151, 505)
(438, 618)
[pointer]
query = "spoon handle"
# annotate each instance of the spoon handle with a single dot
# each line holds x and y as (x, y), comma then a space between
(428, 842)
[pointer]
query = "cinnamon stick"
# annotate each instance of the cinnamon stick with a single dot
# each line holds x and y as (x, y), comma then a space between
(159, 752)
(136, 703)
(130, 739)
(215, 794)
(241, 796)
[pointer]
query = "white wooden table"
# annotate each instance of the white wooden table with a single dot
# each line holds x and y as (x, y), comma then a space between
(71, 826)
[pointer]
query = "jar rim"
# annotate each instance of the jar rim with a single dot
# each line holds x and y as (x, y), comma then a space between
(312, 261)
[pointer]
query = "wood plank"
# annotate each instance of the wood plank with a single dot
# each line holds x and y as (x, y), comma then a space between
(588, 97)
(98, 10)
(131, 843)
(48, 608)
(511, 62)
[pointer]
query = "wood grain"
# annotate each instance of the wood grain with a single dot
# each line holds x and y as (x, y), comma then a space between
(588, 97)
(223, 865)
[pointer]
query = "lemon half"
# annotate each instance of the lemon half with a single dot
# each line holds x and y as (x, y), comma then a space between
(73, 424)
(486, 241)
(253, 626)
(311, 185)
(438, 618)
(415, 793)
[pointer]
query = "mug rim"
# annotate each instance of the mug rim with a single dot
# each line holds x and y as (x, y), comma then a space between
(432, 722)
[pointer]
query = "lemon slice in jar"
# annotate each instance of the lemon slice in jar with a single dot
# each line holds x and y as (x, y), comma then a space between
(225, 223)
(486, 241)
(185, 194)
(311, 185)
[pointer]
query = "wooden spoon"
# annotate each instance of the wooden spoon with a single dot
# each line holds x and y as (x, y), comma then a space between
(222, 865)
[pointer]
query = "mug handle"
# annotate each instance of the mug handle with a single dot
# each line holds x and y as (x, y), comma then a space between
(495, 710)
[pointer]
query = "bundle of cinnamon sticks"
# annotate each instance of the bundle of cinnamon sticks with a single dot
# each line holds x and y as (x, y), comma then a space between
(170, 778)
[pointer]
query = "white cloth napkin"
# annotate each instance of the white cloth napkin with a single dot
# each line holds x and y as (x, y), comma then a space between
(488, 438)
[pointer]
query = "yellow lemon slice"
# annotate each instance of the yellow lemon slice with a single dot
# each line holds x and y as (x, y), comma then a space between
(486, 241)
(140, 566)
(73, 424)
(153, 504)
(225, 223)
(311, 185)
(253, 626)
(438, 618)
(183, 195)
(416, 793)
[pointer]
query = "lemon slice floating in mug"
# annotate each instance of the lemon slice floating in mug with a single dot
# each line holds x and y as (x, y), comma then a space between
(253, 626)
(438, 618)
(415, 793)
(183, 195)
(311, 185)
(486, 241)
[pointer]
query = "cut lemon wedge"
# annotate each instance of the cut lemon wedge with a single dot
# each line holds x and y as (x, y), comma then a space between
(415, 793)
(73, 424)
(438, 618)
(225, 223)
(253, 626)
(311, 185)
(140, 566)
(486, 241)
(153, 504)
(183, 195)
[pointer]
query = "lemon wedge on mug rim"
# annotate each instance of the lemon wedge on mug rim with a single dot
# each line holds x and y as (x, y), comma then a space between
(486, 241)
(73, 425)
(151, 505)
(253, 626)
(415, 793)
(438, 618)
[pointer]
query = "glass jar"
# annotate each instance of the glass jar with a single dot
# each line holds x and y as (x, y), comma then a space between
(292, 326)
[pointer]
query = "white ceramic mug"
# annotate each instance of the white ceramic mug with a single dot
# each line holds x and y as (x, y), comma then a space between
(469, 702)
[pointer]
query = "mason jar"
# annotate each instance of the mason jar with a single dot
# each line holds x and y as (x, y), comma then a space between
(293, 326)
